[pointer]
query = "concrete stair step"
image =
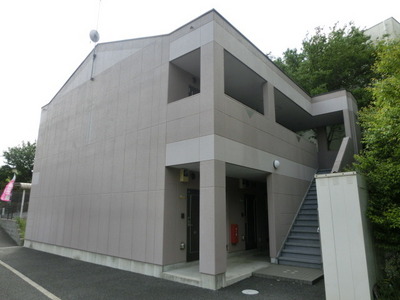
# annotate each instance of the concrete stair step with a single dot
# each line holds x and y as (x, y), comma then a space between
(305, 228)
(310, 206)
(308, 212)
(302, 250)
(312, 259)
(311, 242)
(314, 223)
(311, 202)
(301, 243)
(307, 217)
(304, 235)
(301, 264)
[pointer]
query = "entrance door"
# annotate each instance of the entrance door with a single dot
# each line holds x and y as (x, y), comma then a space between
(251, 223)
(193, 225)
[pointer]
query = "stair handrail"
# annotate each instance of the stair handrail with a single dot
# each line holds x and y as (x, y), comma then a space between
(295, 217)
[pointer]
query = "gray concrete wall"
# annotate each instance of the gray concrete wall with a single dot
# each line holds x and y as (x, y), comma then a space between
(100, 165)
(12, 229)
(284, 198)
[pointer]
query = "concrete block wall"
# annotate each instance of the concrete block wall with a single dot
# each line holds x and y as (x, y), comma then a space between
(12, 229)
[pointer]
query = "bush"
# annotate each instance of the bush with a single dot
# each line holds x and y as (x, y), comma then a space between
(380, 163)
(22, 226)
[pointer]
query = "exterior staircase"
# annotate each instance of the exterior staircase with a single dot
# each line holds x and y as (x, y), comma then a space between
(302, 247)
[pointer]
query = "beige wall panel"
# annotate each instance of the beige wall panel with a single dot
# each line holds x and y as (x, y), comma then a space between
(142, 160)
(206, 122)
(76, 217)
(145, 102)
(283, 201)
(158, 227)
(153, 154)
(126, 229)
(183, 128)
(161, 157)
(212, 217)
(84, 223)
(103, 223)
(67, 230)
(183, 108)
(53, 210)
(128, 180)
(140, 226)
(60, 221)
(150, 226)
(93, 223)
(158, 109)
(118, 164)
(114, 227)
(207, 71)
(172, 234)
(133, 107)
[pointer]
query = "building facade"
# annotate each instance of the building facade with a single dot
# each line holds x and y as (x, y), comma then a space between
(181, 147)
(388, 29)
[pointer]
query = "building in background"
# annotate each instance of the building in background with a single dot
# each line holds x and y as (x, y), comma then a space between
(390, 28)
(183, 147)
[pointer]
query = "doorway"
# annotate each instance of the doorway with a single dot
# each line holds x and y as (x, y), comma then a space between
(250, 222)
(193, 225)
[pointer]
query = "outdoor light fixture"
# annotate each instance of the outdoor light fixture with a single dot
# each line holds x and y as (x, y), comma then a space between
(276, 164)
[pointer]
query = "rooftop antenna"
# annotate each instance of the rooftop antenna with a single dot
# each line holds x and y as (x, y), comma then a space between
(95, 37)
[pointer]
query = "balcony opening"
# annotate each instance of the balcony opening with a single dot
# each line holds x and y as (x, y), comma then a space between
(293, 117)
(184, 76)
(242, 83)
(335, 135)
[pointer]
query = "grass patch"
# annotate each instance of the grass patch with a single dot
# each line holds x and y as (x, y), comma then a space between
(22, 226)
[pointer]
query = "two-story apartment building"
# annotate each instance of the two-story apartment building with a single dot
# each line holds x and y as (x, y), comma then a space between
(180, 147)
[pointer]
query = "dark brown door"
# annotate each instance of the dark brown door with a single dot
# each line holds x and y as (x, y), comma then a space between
(193, 224)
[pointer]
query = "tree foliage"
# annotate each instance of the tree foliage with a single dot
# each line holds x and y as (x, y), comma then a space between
(21, 159)
(6, 174)
(380, 160)
(340, 59)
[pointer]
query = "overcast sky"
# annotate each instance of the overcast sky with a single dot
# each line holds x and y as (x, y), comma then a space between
(44, 41)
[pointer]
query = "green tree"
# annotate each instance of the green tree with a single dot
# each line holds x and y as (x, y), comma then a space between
(6, 174)
(380, 159)
(340, 59)
(21, 159)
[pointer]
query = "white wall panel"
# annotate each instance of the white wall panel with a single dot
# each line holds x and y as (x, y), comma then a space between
(347, 251)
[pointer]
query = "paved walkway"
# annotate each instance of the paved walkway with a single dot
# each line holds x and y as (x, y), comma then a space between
(30, 274)
(290, 273)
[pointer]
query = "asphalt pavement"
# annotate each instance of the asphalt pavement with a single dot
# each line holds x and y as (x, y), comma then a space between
(29, 274)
